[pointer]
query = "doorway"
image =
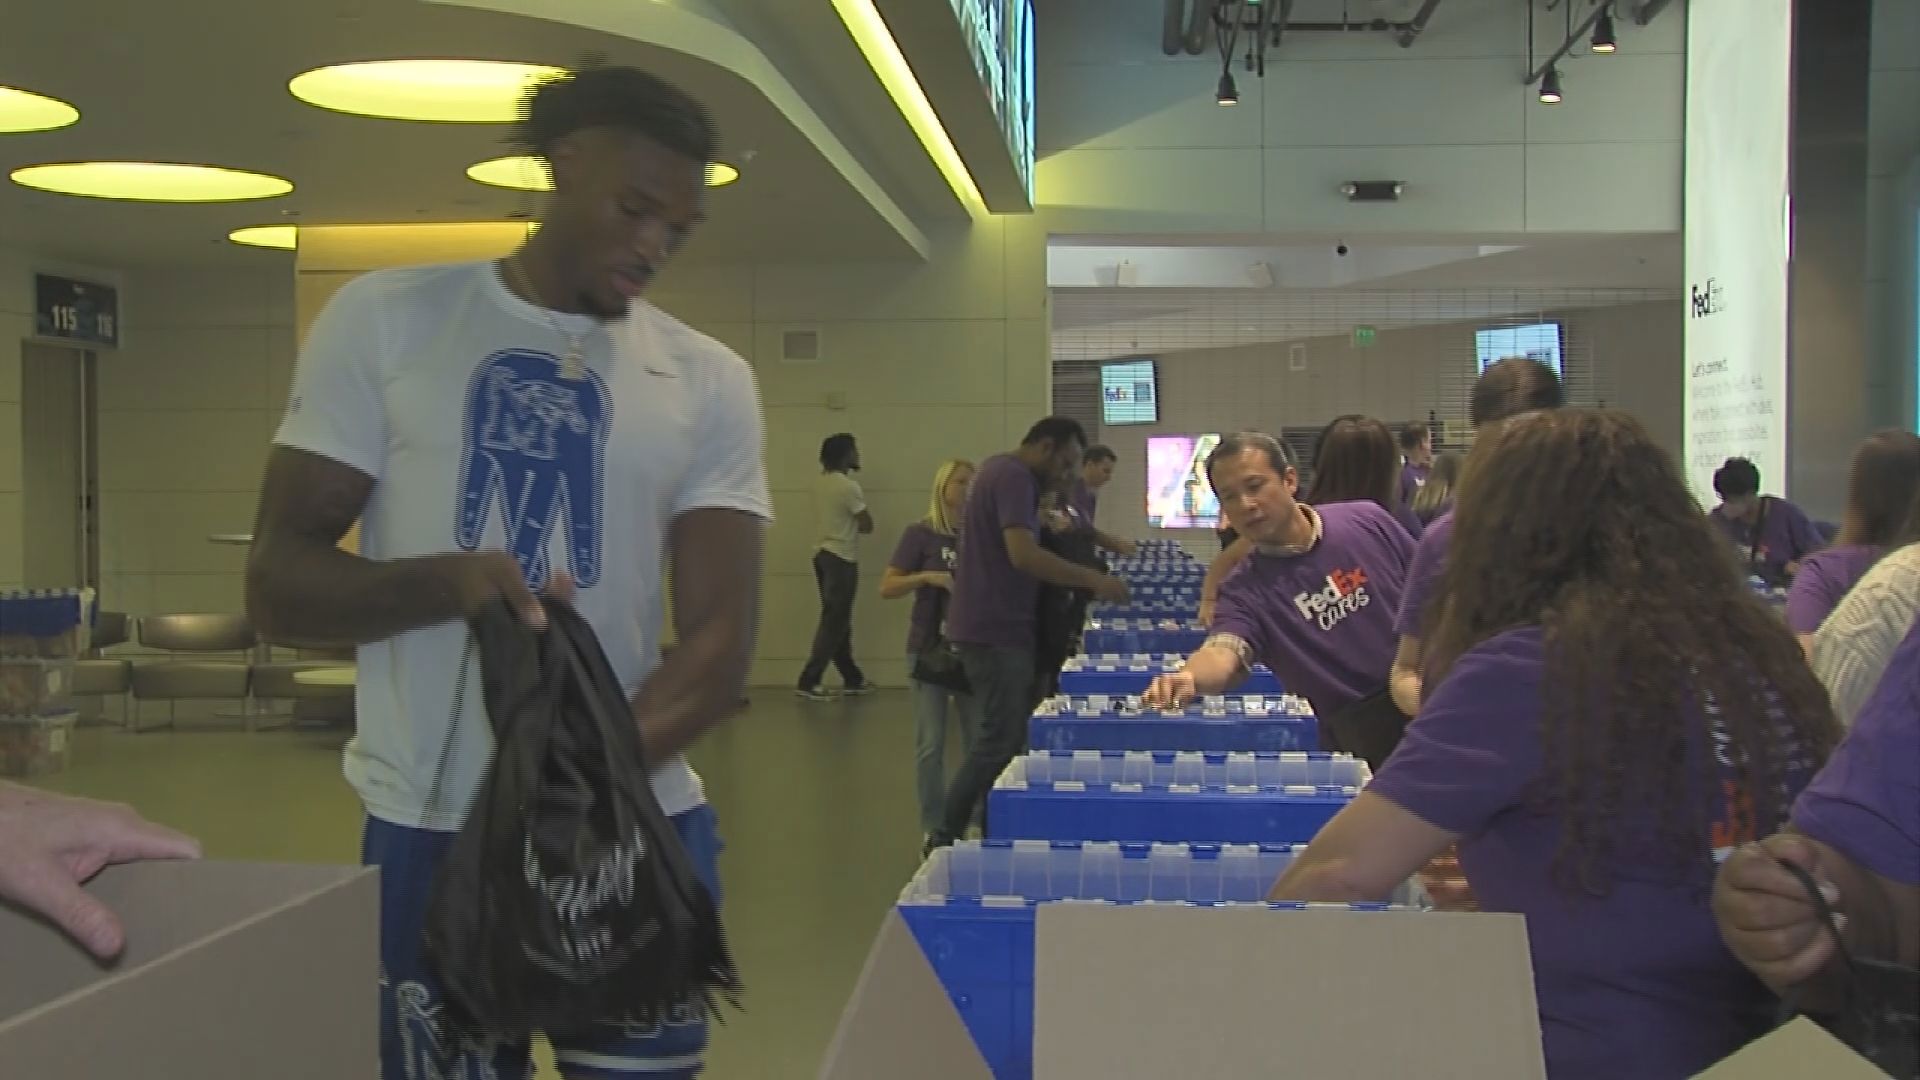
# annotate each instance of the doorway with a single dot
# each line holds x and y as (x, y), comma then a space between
(58, 468)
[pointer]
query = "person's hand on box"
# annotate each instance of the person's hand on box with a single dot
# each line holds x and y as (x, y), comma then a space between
(52, 844)
(1170, 691)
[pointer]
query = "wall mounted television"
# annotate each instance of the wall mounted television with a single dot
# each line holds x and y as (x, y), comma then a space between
(1543, 341)
(1129, 393)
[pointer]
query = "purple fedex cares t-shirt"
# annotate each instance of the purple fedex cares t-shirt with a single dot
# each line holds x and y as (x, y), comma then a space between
(1824, 578)
(994, 604)
(1785, 535)
(1323, 620)
(1866, 801)
(921, 548)
(1423, 578)
(1632, 983)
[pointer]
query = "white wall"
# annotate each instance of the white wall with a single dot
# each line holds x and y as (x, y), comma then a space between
(16, 322)
(1628, 357)
(1893, 148)
(1132, 141)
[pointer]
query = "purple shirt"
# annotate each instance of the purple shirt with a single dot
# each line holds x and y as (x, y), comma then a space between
(1412, 478)
(920, 549)
(1824, 578)
(1423, 578)
(993, 603)
(1410, 521)
(1866, 802)
(1084, 501)
(1632, 983)
(1786, 535)
(1323, 621)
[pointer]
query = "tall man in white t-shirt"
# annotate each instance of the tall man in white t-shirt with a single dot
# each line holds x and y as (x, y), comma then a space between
(842, 518)
(501, 428)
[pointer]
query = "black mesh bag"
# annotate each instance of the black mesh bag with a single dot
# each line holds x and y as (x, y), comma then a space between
(567, 899)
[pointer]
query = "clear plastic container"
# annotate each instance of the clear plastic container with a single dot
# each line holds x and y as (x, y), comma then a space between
(36, 745)
(30, 686)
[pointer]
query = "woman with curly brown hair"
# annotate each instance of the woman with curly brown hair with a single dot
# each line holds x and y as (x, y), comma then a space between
(1611, 712)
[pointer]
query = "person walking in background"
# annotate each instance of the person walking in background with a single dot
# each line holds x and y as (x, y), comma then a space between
(1096, 472)
(922, 567)
(1416, 451)
(1612, 713)
(1880, 487)
(1435, 497)
(996, 598)
(1769, 534)
(841, 514)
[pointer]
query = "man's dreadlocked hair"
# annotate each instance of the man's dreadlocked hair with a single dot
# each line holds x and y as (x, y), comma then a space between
(615, 97)
(1574, 521)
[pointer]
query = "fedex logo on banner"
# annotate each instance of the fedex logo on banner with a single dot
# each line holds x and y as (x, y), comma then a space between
(1345, 593)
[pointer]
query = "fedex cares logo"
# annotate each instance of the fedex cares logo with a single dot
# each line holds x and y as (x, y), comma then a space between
(1346, 593)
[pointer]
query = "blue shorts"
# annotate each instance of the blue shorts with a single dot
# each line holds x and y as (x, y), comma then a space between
(411, 1043)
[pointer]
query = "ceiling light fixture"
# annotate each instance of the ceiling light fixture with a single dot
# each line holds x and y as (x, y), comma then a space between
(1603, 40)
(280, 237)
(287, 237)
(24, 110)
(1226, 93)
(151, 181)
(524, 172)
(445, 91)
(883, 54)
(1550, 86)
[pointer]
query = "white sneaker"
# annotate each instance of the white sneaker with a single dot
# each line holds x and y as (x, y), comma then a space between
(815, 693)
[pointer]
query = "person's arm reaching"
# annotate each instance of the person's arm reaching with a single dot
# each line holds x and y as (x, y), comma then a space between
(896, 583)
(1223, 564)
(1403, 682)
(1028, 557)
(1364, 853)
(716, 556)
(1214, 668)
(1115, 544)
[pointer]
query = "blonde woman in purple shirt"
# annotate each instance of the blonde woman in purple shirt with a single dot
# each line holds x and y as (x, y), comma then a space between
(1612, 712)
(922, 567)
(1880, 489)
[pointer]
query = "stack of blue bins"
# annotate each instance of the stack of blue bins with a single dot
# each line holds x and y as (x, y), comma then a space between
(1115, 804)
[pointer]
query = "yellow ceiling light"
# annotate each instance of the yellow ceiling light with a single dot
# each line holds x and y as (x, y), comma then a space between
(23, 110)
(447, 91)
(282, 237)
(151, 181)
(883, 54)
(524, 172)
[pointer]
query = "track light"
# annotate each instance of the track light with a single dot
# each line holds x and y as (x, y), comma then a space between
(1226, 93)
(1550, 86)
(1603, 39)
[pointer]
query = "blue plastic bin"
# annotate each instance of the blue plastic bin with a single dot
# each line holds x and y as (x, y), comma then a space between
(1172, 796)
(1130, 636)
(1250, 723)
(1109, 674)
(971, 909)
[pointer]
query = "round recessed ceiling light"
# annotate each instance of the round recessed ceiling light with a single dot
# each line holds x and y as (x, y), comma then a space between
(448, 91)
(282, 237)
(151, 181)
(23, 110)
(524, 172)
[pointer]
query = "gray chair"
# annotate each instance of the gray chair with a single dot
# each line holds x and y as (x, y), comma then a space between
(193, 668)
(97, 675)
(274, 680)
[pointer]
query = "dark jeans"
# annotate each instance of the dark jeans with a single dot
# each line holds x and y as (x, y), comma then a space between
(1002, 682)
(833, 638)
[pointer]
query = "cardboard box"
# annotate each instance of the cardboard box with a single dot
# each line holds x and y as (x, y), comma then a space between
(1169, 990)
(1796, 1051)
(233, 971)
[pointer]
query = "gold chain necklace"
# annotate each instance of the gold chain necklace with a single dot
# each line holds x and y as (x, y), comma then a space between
(573, 367)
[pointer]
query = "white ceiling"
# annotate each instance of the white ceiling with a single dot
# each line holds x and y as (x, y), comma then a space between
(205, 81)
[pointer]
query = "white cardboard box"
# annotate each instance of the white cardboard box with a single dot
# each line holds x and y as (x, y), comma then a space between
(233, 971)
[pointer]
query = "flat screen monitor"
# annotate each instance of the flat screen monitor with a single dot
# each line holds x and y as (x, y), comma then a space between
(1541, 341)
(1179, 495)
(1129, 393)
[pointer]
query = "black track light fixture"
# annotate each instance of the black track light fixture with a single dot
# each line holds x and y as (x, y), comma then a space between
(1603, 41)
(1226, 93)
(1550, 86)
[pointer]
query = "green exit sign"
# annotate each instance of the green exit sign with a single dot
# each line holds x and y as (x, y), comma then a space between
(1363, 336)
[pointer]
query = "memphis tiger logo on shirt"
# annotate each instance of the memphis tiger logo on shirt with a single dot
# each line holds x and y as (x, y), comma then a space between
(1344, 594)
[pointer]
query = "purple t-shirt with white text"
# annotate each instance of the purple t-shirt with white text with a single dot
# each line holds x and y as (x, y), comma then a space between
(1084, 500)
(1631, 983)
(1824, 578)
(1865, 803)
(1786, 535)
(1323, 621)
(993, 603)
(1423, 578)
(922, 549)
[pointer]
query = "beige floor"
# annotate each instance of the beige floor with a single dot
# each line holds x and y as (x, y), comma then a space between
(815, 801)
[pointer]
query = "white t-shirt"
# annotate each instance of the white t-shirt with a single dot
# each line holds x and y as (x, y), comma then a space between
(447, 390)
(838, 501)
